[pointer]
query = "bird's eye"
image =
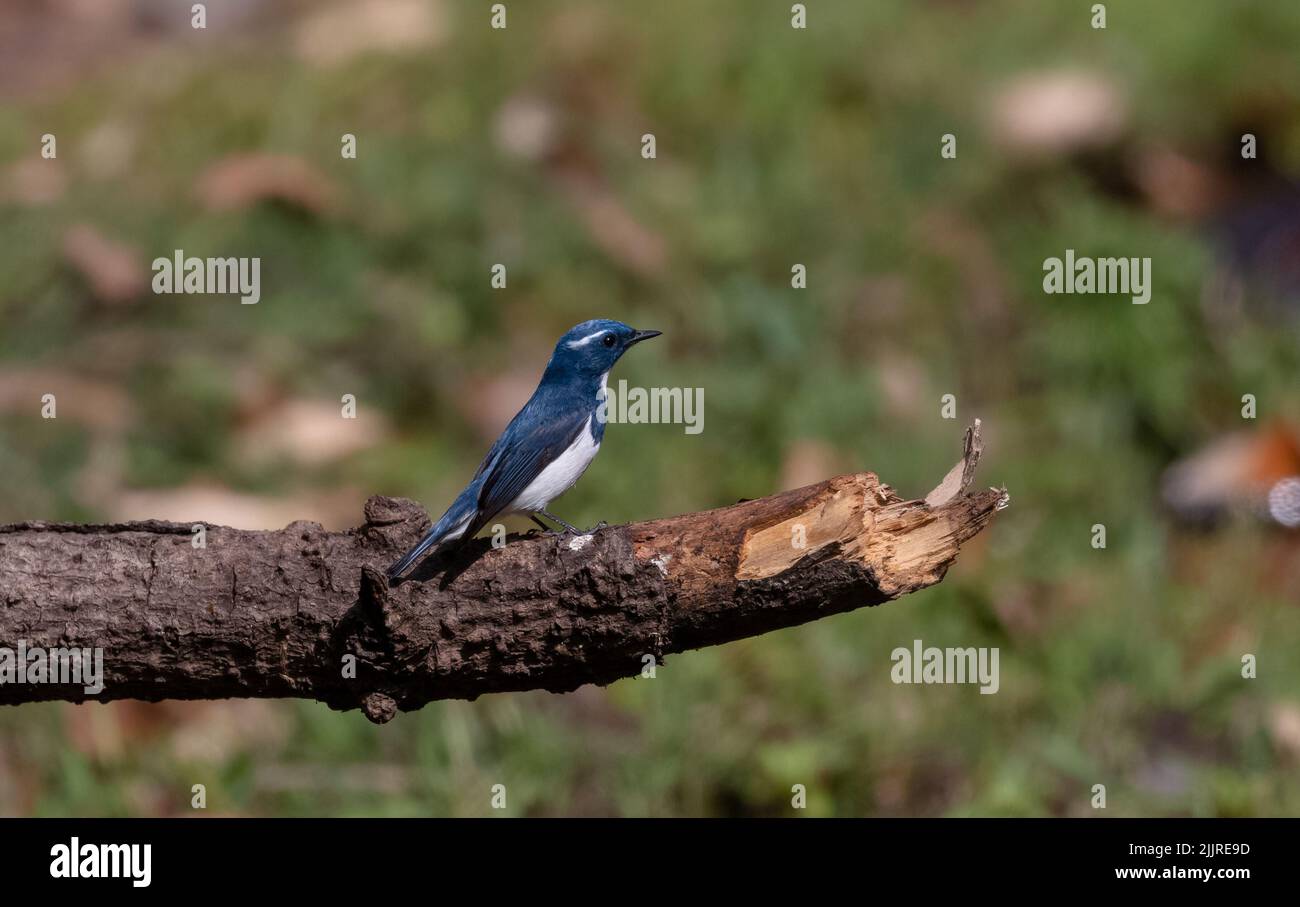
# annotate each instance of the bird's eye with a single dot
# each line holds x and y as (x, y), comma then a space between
(609, 340)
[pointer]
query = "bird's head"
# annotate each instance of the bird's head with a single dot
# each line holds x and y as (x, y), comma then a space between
(592, 348)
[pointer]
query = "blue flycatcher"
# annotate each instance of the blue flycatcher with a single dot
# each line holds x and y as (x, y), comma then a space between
(547, 445)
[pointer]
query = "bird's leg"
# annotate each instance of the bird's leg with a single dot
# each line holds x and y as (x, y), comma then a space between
(555, 519)
(547, 529)
(574, 530)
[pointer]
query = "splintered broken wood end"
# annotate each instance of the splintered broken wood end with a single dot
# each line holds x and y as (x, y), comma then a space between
(904, 545)
(960, 476)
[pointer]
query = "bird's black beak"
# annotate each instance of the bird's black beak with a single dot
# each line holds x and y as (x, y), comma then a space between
(638, 336)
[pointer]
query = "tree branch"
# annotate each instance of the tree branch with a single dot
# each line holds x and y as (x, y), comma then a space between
(276, 614)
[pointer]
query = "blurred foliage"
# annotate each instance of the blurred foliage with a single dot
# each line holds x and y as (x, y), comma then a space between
(1119, 666)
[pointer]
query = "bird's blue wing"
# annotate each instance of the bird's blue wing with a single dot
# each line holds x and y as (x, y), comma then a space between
(464, 507)
(527, 447)
(530, 443)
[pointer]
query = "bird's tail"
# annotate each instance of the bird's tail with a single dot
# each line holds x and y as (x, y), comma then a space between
(450, 527)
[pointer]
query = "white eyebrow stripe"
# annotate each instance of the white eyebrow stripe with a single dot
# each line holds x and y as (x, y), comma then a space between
(585, 340)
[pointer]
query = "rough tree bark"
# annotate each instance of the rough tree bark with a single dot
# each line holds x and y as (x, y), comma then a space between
(274, 614)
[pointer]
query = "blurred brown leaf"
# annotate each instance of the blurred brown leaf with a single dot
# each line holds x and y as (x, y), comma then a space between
(1058, 112)
(1233, 472)
(309, 432)
(1284, 727)
(335, 509)
(34, 182)
(214, 732)
(101, 731)
(199, 731)
(807, 461)
(107, 150)
(240, 181)
(611, 226)
(339, 33)
(957, 238)
(904, 385)
(527, 127)
(1177, 186)
(115, 272)
(489, 402)
(87, 401)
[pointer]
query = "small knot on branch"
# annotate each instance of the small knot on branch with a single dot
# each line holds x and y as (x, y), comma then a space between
(394, 521)
(382, 510)
(379, 707)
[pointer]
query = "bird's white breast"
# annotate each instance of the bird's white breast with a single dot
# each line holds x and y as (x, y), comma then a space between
(560, 474)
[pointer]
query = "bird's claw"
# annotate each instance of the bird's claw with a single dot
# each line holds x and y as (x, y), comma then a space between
(575, 532)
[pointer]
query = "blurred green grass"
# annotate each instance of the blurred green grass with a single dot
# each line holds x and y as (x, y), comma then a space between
(775, 146)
